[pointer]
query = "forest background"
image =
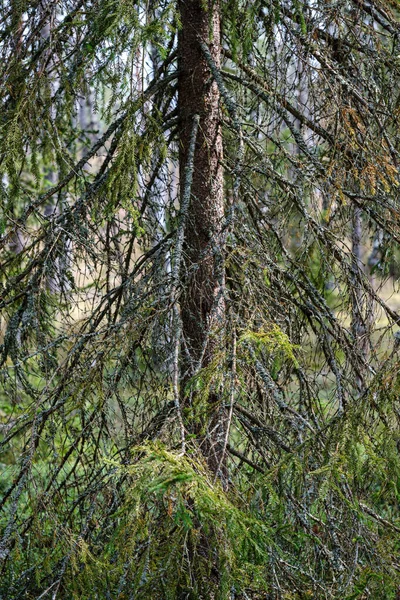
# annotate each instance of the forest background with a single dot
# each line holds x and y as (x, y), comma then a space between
(199, 233)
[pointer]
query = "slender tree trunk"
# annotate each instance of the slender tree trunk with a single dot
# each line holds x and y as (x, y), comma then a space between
(202, 305)
(359, 316)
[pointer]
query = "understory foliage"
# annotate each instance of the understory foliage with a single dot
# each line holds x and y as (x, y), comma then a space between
(105, 491)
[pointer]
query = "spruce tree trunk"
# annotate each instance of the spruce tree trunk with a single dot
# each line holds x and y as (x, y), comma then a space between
(202, 306)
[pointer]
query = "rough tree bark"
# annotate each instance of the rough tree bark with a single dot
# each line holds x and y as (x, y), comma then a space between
(202, 305)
